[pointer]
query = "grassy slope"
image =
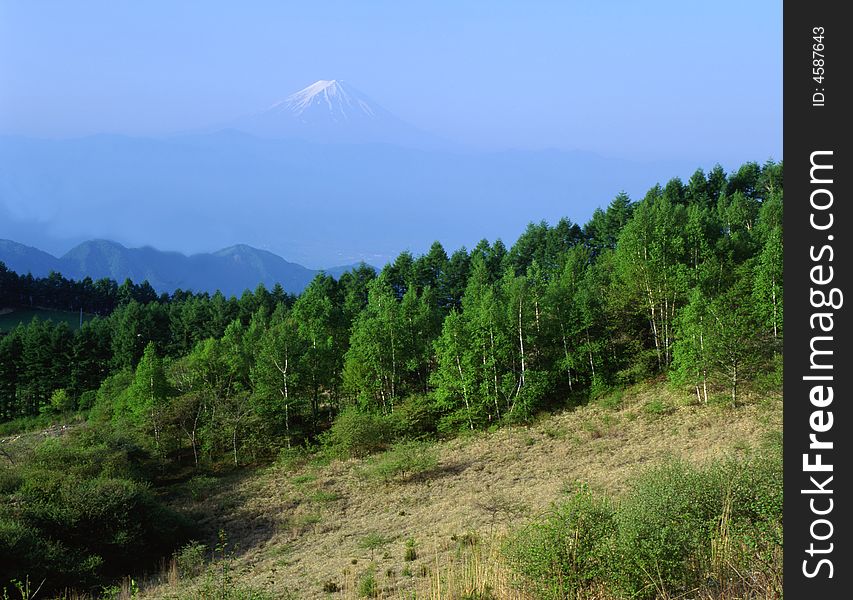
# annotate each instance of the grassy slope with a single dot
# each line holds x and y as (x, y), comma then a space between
(295, 528)
(10, 320)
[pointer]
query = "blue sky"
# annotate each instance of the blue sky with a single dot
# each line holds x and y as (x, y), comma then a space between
(661, 79)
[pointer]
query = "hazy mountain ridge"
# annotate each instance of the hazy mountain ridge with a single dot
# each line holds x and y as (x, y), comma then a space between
(323, 174)
(314, 202)
(230, 270)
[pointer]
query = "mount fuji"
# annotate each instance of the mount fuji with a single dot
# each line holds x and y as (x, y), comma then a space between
(325, 176)
(332, 111)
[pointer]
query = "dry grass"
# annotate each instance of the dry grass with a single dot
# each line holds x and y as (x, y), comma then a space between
(302, 528)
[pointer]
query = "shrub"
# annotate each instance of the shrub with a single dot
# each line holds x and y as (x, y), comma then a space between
(663, 525)
(404, 460)
(10, 480)
(356, 434)
(60, 402)
(22, 424)
(657, 407)
(190, 559)
(223, 588)
(566, 552)
(303, 479)
(680, 525)
(485, 594)
(323, 496)
(677, 529)
(373, 541)
(367, 585)
(81, 511)
(109, 395)
(291, 458)
(532, 396)
(453, 423)
(411, 553)
(200, 486)
(414, 418)
(753, 525)
(769, 379)
(612, 400)
(87, 399)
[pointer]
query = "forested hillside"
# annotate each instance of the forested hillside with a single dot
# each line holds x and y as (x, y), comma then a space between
(684, 283)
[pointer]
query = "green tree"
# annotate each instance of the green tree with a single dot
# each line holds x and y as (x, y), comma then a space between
(353, 286)
(131, 330)
(455, 278)
(767, 287)
(373, 364)
(455, 378)
(318, 313)
(691, 351)
(733, 348)
(45, 362)
(277, 377)
(651, 263)
(429, 270)
(90, 356)
(207, 373)
(564, 315)
(420, 323)
(61, 402)
(189, 405)
(602, 231)
(11, 371)
(148, 394)
(490, 340)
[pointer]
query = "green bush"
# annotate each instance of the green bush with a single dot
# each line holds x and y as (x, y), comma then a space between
(87, 400)
(357, 434)
(563, 554)
(411, 550)
(611, 400)
(80, 512)
(60, 402)
(224, 588)
(680, 525)
(755, 515)
(453, 423)
(292, 458)
(676, 529)
(367, 585)
(201, 486)
(190, 559)
(414, 418)
(373, 542)
(664, 526)
(109, 396)
(10, 480)
(532, 396)
(403, 461)
(23, 424)
(657, 407)
(769, 379)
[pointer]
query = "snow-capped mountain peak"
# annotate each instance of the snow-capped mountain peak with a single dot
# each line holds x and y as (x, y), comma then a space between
(332, 111)
(329, 99)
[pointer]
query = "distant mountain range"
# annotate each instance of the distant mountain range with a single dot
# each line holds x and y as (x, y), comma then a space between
(324, 176)
(230, 270)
